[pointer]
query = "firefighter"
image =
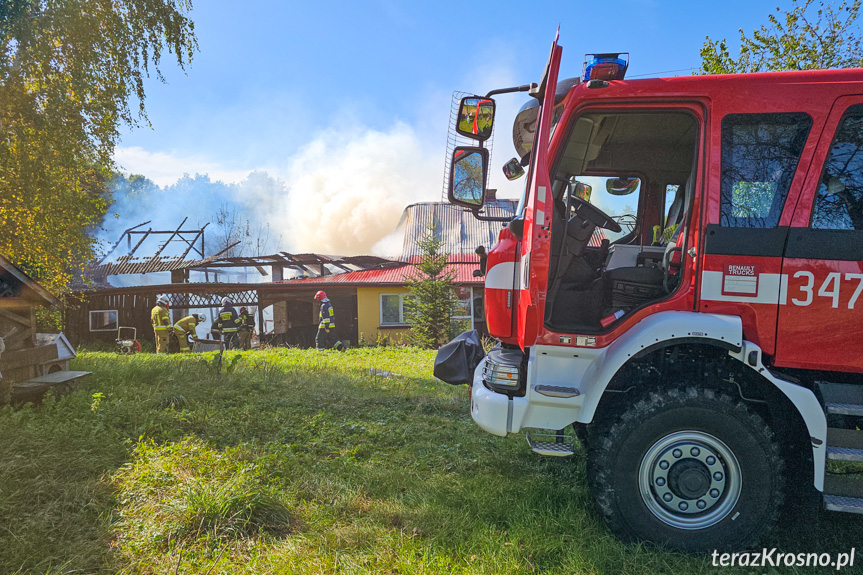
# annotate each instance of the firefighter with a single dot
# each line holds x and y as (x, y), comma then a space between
(186, 327)
(228, 323)
(245, 327)
(323, 339)
(161, 324)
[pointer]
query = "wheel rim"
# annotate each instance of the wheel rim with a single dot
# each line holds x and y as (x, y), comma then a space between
(690, 480)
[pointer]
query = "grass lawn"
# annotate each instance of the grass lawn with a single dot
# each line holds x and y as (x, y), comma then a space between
(302, 462)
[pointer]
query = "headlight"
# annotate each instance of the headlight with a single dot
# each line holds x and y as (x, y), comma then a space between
(501, 376)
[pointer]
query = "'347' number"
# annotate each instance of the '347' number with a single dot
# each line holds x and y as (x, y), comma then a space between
(829, 288)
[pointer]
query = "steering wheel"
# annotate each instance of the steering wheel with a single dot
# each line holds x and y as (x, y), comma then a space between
(590, 213)
(627, 222)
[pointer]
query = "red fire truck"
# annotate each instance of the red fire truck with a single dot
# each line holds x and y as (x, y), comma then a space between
(700, 351)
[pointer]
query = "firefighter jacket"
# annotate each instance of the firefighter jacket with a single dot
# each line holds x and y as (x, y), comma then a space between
(245, 322)
(160, 319)
(227, 321)
(327, 315)
(187, 324)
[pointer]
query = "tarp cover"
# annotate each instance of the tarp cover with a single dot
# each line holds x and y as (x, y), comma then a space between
(457, 360)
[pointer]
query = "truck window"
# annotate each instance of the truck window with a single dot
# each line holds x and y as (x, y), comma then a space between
(670, 194)
(760, 153)
(839, 203)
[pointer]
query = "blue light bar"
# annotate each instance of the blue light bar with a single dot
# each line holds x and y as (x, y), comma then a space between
(605, 66)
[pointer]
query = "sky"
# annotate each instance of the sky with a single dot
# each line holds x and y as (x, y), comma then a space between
(346, 104)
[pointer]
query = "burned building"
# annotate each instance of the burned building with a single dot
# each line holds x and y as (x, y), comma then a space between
(368, 292)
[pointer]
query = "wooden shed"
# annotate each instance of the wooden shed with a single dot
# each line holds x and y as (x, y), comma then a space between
(27, 370)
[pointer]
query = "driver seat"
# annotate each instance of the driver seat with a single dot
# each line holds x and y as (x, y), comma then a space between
(632, 286)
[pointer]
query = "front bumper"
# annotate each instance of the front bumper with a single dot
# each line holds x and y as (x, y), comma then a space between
(489, 409)
(500, 414)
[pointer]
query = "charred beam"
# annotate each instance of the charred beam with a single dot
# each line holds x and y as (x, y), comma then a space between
(171, 237)
(128, 233)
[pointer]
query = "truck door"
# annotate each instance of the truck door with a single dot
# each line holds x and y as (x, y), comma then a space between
(761, 167)
(536, 242)
(820, 323)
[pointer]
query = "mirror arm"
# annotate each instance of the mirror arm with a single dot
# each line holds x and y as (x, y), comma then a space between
(524, 88)
(483, 261)
(483, 218)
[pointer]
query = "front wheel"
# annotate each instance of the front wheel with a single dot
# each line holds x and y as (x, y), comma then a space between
(692, 469)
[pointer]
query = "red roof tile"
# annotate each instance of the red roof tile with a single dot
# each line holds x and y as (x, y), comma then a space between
(391, 276)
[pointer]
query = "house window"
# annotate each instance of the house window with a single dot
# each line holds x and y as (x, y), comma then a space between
(392, 308)
(463, 313)
(103, 320)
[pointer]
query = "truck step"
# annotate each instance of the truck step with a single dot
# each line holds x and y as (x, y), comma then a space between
(843, 493)
(844, 444)
(550, 444)
(842, 398)
(556, 391)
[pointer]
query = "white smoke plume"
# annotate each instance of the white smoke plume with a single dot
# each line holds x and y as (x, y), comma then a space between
(341, 194)
(165, 169)
(348, 191)
(200, 200)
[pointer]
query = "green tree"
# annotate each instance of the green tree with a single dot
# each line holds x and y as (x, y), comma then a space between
(810, 36)
(430, 309)
(68, 70)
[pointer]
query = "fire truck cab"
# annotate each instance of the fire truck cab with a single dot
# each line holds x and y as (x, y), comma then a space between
(681, 284)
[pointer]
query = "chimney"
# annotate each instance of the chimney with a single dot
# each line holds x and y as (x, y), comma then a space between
(491, 195)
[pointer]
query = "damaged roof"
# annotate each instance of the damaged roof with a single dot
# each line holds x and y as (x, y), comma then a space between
(460, 231)
(132, 265)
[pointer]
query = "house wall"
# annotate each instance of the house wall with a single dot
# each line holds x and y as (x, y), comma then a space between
(295, 316)
(133, 310)
(369, 314)
(280, 317)
(18, 330)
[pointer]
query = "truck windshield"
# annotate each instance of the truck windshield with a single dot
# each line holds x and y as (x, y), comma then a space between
(615, 196)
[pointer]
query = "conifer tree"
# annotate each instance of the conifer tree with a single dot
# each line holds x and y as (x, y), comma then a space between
(430, 309)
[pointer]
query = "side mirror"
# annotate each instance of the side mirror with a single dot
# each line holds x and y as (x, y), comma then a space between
(467, 177)
(513, 170)
(475, 118)
(582, 191)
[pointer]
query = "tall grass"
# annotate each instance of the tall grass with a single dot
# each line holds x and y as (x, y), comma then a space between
(299, 462)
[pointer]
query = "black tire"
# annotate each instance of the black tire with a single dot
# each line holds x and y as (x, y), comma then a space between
(695, 443)
(580, 430)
